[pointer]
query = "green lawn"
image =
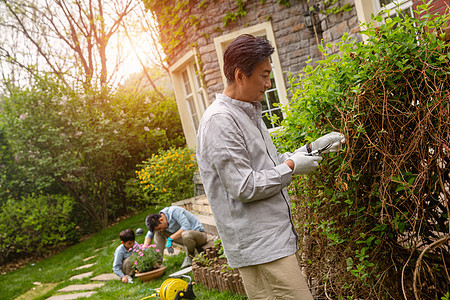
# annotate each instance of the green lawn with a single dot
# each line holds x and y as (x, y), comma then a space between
(57, 269)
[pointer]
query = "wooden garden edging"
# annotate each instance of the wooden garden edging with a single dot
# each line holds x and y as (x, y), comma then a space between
(215, 276)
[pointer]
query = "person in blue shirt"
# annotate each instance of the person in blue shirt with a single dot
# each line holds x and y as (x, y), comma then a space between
(175, 224)
(122, 266)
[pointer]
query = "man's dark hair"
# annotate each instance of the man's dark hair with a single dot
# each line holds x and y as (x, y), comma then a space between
(245, 53)
(152, 221)
(127, 235)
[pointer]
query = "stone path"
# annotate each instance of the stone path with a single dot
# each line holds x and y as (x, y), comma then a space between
(199, 206)
(75, 291)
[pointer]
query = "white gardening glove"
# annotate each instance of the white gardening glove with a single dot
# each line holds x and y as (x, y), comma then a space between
(334, 138)
(304, 164)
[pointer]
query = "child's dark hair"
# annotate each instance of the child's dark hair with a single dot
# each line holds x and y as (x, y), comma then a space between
(152, 221)
(127, 235)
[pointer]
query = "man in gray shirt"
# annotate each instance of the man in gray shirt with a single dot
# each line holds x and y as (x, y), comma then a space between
(245, 178)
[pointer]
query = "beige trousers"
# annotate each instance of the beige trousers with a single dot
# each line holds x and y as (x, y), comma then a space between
(191, 239)
(279, 279)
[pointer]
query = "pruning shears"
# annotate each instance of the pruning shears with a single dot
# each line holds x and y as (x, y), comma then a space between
(319, 151)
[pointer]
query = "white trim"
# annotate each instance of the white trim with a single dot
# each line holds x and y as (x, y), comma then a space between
(185, 64)
(182, 61)
(364, 10)
(395, 5)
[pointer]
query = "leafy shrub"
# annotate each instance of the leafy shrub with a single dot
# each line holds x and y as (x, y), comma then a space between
(58, 141)
(375, 217)
(36, 224)
(167, 176)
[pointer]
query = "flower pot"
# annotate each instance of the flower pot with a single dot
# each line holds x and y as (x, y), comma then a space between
(150, 275)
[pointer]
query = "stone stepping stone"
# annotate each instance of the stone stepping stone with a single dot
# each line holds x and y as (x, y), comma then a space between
(81, 276)
(105, 277)
(71, 296)
(81, 287)
(96, 250)
(84, 267)
(90, 257)
(37, 291)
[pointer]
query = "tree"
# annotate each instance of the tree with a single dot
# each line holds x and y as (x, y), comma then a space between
(67, 38)
(62, 142)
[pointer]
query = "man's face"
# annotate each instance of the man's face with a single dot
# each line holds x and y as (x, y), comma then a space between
(128, 244)
(255, 86)
(162, 226)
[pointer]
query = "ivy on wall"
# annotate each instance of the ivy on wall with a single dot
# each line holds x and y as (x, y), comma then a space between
(176, 17)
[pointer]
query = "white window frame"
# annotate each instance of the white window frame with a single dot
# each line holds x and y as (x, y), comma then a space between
(190, 111)
(263, 29)
(364, 9)
(393, 7)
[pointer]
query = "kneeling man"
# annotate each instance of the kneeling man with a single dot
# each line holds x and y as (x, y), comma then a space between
(175, 224)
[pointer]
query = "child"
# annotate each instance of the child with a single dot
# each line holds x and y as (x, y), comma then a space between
(122, 267)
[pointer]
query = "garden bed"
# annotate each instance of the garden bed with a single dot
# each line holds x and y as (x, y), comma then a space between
(211, 269)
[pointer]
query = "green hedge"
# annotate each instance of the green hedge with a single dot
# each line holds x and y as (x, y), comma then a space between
(375, 217)
(36, 224)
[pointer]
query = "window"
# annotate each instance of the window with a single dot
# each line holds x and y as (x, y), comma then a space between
(276, 95)
(191, 97)
(365, 8)
(199, 89)
(193, 92)
(271, 103)
(392, 8)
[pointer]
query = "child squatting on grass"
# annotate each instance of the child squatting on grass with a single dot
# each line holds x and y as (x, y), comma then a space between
(122, 266)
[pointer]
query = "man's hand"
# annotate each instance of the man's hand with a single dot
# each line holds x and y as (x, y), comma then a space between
(124, 279)
(334, 138)
(303, 164)
(147, 242)
(169, 245)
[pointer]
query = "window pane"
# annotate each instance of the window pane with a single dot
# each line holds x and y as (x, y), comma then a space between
(264, 104)
(201, 99)
(279, 114)
(187, 85)
(194, 116)
(272, 97)
(385, 2)
(266, 120)
(197, 76)
(272, 81)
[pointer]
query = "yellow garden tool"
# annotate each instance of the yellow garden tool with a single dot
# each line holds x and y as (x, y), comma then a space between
(174, 289)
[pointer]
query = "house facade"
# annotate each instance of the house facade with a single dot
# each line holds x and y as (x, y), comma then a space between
(195, 33)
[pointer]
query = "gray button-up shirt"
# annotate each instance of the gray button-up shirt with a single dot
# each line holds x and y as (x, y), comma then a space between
(245, 181)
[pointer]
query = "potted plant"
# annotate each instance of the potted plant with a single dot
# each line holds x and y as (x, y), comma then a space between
(146, 262)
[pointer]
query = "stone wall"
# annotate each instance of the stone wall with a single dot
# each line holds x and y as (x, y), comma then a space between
(335, 25)
(296, 42)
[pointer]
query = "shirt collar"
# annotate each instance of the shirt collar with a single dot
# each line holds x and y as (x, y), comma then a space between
(250, 108)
